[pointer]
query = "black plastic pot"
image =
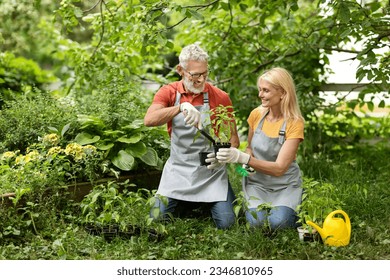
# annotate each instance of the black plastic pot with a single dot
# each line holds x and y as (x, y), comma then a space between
(109, 232)
(202, 158)
(219, 145)
(154, 236)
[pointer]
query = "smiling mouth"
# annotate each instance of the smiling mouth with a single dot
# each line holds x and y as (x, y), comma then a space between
(197, 83)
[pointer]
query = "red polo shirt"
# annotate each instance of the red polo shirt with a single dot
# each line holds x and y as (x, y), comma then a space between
(166, 96)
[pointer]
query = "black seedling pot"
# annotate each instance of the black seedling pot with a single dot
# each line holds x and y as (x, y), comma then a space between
(202, 158)
(219, 145)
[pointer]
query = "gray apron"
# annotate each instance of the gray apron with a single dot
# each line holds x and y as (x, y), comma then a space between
(262, 188)
(183, 177)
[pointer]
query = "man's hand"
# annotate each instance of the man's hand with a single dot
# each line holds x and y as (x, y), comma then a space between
(214, 164)
(232, 155)
(192, 116)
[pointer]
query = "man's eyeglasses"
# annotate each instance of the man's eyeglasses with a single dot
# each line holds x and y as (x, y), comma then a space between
(197, 75)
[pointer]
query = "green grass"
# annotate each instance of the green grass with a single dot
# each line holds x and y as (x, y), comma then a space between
(361, 176)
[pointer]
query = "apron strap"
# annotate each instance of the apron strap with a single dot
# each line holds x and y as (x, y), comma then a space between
(205, 98)
(282, 133)
(178, 95)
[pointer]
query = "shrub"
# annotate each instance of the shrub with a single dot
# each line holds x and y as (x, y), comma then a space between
(24, 120)
(17, 72)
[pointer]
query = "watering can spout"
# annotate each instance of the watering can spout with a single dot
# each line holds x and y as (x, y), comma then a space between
(336, 231)
(317, 227)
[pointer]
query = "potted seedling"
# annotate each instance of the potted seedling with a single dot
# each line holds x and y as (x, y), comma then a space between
(113, 210)
(220, 130)
(318, 200)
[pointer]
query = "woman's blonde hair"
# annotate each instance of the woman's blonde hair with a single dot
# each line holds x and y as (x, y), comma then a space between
(282, 79)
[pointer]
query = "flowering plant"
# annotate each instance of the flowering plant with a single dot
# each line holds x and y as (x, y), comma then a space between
(72, 163)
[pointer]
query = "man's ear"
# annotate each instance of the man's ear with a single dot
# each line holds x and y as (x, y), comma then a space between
(179, 70)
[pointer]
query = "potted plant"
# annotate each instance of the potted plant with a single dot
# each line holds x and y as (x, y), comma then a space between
(318, 200)
(113, 210)
(219, 130)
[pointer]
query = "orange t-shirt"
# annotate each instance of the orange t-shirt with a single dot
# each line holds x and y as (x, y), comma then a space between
(166, 96)
(294, 129)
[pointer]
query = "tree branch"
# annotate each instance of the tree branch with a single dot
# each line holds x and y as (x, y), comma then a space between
(93, 7)
(102, 32)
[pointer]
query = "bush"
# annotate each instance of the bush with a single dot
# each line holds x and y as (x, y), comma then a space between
(17, 72)
(24, 120)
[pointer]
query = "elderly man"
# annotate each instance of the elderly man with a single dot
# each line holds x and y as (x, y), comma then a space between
(180, 105)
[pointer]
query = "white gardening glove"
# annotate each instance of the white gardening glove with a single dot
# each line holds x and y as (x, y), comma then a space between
(192, 116)
(232, 155)
(214, 163)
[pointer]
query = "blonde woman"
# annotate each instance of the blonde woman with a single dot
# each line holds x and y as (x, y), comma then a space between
(275, 132)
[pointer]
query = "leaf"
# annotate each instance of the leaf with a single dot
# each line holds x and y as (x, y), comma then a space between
(196, 15)
(84, 138)
(370, 106)
(53, 129)
(65, 129)
(104, 146)
(123, 160)
(344, 13)
(150, 157)
(131, 140)
(137, 149)
(90, 121)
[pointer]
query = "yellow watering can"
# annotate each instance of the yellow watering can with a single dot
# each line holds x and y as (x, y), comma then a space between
(335, 231)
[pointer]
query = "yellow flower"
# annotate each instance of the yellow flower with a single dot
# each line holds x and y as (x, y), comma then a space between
(7, 155)
(33, 155)
(51, 139)
(20, 159)
(75, 150)
(54, 151)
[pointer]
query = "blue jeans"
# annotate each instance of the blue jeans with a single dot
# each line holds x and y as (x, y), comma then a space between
(279, 217)
(221, 211)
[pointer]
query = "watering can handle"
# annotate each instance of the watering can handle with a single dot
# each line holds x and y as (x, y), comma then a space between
(347, 221)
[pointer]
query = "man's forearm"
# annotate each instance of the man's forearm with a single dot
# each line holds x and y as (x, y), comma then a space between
(159, 116)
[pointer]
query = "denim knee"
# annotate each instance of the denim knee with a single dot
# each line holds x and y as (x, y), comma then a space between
(161, 208)
(224, 220)
(279, 217)
(222, 211)
(255, 218)
(282, 217)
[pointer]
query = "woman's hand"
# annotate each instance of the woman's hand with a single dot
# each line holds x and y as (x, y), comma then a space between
(232, 155)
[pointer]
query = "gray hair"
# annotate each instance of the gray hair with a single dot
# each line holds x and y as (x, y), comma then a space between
(192, 52)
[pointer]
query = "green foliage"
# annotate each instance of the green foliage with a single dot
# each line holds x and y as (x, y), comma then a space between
(221, 126)
(47, 164)
(112, 119)
(318, 200)
(338, 130)
(24, 120)
(18, 74)
(108, 204)
(19, 25)
(122, 145)
(351, 172)
(118, 205)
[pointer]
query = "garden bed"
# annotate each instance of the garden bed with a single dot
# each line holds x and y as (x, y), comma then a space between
(144, 179)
